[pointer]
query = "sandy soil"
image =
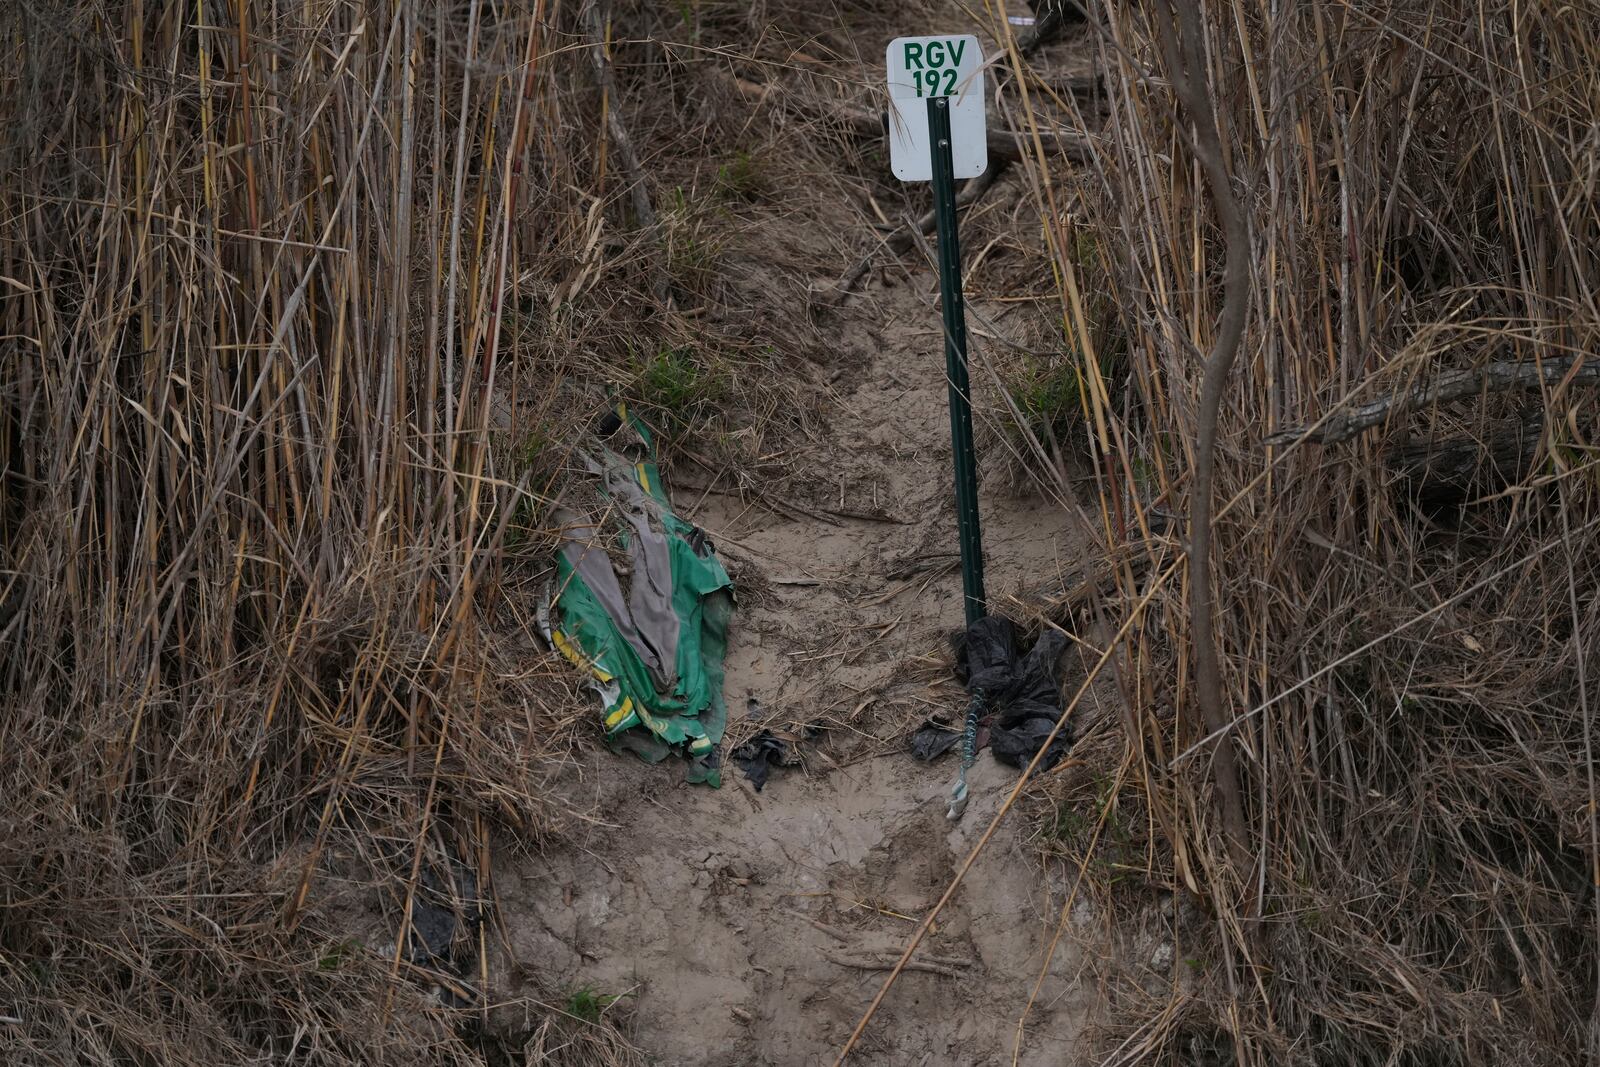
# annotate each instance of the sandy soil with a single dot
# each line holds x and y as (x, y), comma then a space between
(754, 929)
(748, 928)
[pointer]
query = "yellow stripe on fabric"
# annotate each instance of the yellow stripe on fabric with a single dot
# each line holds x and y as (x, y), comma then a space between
(621, 713)
(577, 658)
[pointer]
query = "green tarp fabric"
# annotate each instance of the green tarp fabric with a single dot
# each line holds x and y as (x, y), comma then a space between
(656, 656)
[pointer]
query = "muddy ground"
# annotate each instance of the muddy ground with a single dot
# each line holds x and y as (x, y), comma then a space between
(754, 928)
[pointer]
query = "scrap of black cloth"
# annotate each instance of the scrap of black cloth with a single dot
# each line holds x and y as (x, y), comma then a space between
(933, 740)
(444, 907)
(770, 748)
(757, 756)
(1022, 689)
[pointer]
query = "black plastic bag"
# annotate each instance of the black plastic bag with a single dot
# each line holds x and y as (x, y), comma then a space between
(933, 740)
(1023, 690)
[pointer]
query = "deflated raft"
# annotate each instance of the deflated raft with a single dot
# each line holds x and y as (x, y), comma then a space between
(653, 653)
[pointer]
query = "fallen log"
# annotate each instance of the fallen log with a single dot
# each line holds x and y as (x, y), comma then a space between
(1440, 473)
(1576, 369)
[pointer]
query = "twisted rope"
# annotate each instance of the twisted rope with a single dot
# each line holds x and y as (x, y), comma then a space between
(969, 754)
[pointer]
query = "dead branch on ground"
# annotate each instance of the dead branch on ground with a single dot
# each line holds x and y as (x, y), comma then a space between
(1499, 376)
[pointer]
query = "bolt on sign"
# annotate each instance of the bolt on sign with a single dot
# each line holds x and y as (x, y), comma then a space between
(924, 68)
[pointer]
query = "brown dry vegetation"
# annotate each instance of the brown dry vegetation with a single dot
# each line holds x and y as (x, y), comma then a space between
(304, 302)
(1407, 669)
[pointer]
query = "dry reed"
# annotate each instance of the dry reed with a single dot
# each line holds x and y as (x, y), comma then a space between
(278, 277)
(1405, 663)
(304, 302)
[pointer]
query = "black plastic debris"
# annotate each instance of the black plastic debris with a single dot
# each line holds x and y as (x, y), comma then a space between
(768, 749)
(757, 756)
(1022, 689)
(933, 740)
(442, 910)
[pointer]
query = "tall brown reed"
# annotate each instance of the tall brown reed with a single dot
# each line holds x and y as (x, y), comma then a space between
(266, 266)
(1406, 674)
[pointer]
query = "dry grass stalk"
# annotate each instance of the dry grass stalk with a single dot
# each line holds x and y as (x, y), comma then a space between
(1408, 689)
(267, 290)
(305, 306)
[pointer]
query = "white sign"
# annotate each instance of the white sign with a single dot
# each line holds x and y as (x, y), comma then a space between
(924, 67)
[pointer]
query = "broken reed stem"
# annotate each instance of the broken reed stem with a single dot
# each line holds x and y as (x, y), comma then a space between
(595, 25)
(595, 22)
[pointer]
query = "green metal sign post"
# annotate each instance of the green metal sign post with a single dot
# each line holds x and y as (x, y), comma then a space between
(936, 134)
(955, 359)
(937, 142)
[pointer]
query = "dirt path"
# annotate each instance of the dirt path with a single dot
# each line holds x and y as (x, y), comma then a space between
(754, 928)
(748, 927)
